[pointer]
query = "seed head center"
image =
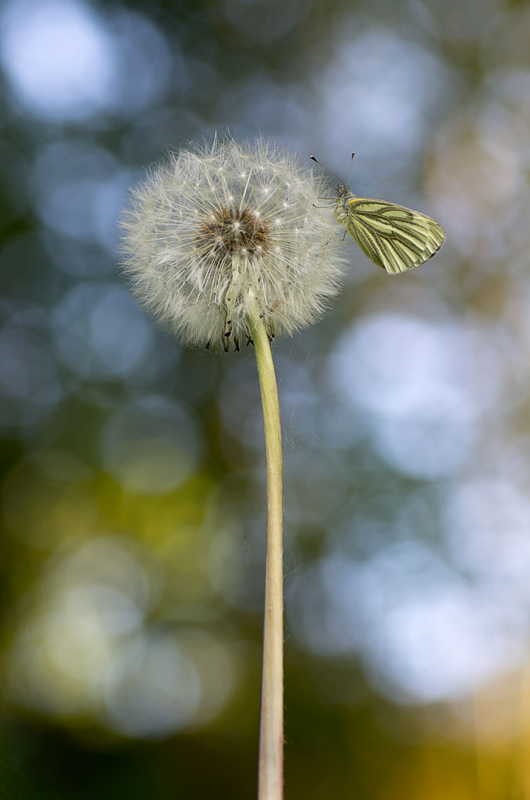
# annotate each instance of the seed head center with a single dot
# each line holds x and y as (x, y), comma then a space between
(228, 231)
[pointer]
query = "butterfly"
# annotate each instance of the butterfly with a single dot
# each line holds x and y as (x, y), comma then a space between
(392, 236)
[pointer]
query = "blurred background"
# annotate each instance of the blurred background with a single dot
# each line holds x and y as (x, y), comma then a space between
(132, 545)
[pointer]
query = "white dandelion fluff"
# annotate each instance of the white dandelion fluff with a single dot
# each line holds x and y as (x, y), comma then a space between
(226, 230)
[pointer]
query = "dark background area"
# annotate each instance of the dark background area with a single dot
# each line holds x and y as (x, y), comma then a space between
(132, 480)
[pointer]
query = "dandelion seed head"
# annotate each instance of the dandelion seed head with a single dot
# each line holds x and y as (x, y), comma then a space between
(219, 231)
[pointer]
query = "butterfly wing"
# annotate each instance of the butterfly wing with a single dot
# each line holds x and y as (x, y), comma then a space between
(394, 237)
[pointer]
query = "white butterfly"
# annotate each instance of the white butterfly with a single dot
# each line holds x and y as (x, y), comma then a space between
(392, 236)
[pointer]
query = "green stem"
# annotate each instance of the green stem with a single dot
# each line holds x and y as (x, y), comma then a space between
(270, 779)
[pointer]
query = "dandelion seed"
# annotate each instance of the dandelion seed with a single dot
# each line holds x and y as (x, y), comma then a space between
(227, 230)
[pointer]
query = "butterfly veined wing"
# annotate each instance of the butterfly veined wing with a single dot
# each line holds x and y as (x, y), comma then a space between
(392, 236)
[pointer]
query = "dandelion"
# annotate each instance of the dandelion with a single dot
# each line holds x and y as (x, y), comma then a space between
(225, 244)
(225, 231)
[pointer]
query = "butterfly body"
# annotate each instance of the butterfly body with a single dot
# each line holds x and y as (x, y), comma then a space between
(392, 236)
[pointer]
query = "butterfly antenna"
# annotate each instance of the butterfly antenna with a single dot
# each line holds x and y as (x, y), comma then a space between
(351, 167)
(328, 169)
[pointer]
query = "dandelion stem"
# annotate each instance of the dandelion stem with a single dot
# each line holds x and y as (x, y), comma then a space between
(270, 778)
